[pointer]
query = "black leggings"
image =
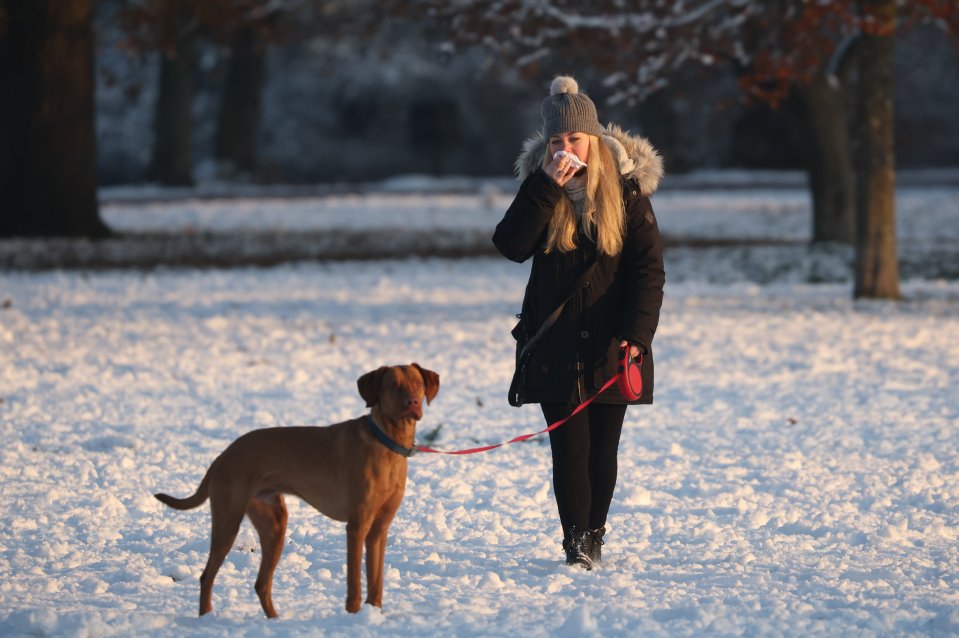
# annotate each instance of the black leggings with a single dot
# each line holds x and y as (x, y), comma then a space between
(584, 461)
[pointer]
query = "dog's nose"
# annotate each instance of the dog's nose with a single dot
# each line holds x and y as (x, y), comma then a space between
(412, 402)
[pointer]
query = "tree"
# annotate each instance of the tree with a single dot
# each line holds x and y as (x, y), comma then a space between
(48, 184)
(251, 28)
(239, 114)
(877, 267)
(172, 160)
(831, 173)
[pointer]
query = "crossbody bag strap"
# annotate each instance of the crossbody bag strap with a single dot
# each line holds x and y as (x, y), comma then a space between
(553, 316)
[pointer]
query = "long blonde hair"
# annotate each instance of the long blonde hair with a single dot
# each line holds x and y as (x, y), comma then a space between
(603, 215)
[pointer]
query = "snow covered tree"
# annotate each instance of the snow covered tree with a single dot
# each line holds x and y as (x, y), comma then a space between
(48, 184)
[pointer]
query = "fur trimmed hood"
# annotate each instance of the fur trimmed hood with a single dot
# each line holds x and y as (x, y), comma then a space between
(636, 157)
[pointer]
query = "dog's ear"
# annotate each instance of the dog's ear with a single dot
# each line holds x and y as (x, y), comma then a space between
(369, 385)
(431, 381)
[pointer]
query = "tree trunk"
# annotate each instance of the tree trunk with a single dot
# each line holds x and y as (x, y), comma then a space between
(172, 162)
(235, 146)
(831, 175)
(48, 181)
(876, 264)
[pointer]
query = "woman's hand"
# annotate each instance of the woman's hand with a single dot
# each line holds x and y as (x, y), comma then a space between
(633, 350)
(561, 170)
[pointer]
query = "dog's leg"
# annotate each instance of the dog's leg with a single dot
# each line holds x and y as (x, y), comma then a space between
(226, 523)
(375, 555)
(269, 519)
(356, 532)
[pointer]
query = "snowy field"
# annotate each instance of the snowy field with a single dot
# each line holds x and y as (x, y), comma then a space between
(797, 476)
(762, 231)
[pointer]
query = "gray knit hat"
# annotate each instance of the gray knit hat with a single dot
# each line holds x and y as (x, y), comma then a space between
(566, 109)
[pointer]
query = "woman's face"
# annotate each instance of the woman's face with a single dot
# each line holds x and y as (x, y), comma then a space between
(575, 142)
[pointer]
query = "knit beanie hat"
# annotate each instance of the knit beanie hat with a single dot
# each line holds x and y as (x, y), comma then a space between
(567, 110)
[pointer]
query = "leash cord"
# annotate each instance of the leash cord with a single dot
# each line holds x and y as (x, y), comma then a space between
(524, 437)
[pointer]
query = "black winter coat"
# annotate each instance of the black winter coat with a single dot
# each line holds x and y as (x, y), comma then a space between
(621, 299)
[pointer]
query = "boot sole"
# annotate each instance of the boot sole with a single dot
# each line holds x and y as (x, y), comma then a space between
(583, 562)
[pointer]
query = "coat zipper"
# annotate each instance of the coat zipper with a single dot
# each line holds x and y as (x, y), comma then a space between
(580, 365)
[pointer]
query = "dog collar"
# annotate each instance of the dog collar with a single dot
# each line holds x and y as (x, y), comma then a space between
(381, 436)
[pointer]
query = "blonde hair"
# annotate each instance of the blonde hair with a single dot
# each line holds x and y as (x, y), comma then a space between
(602, 215)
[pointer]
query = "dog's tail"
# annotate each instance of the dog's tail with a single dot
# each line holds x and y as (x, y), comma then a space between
(188, 503)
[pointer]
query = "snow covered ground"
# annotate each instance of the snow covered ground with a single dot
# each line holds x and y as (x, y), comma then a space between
(797, 476)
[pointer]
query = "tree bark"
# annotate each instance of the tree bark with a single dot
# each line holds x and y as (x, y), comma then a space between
(235, 146)
(831, 175)
(48, 182)
(876, 262)
(172, 161)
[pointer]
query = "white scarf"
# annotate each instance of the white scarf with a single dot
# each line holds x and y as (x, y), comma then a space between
(576, 189)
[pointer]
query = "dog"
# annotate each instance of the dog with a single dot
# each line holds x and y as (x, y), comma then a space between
(353, 472)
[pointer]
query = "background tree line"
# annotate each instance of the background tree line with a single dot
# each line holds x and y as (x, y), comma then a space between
(826, 67)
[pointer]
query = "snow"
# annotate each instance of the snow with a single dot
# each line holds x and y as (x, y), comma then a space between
(797, 475)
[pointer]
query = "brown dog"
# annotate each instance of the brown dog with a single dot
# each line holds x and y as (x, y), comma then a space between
(353, 471)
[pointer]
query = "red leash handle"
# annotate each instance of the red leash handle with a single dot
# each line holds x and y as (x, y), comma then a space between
(523, 437)
(630, 375)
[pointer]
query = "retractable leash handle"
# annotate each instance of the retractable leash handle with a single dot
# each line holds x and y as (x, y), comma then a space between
(630, 375)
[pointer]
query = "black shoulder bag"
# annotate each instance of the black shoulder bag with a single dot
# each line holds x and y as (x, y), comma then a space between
(525, 344)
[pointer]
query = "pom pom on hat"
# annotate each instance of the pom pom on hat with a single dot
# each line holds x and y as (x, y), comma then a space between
(566, 109)
(563, 84)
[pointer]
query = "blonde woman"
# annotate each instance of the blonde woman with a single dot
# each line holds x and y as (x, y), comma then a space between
(583, 214)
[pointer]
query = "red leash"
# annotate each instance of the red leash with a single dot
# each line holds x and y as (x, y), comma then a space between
(523, 437)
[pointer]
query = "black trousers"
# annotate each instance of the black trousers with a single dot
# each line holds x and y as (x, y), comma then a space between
(584, 461)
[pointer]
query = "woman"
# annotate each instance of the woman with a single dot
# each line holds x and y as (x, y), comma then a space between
(593, 222)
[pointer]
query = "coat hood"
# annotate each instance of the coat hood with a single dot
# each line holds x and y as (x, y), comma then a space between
(636, 157)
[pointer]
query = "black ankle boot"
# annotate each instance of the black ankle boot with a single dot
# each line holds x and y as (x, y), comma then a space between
(595, 545)
(576, 545)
